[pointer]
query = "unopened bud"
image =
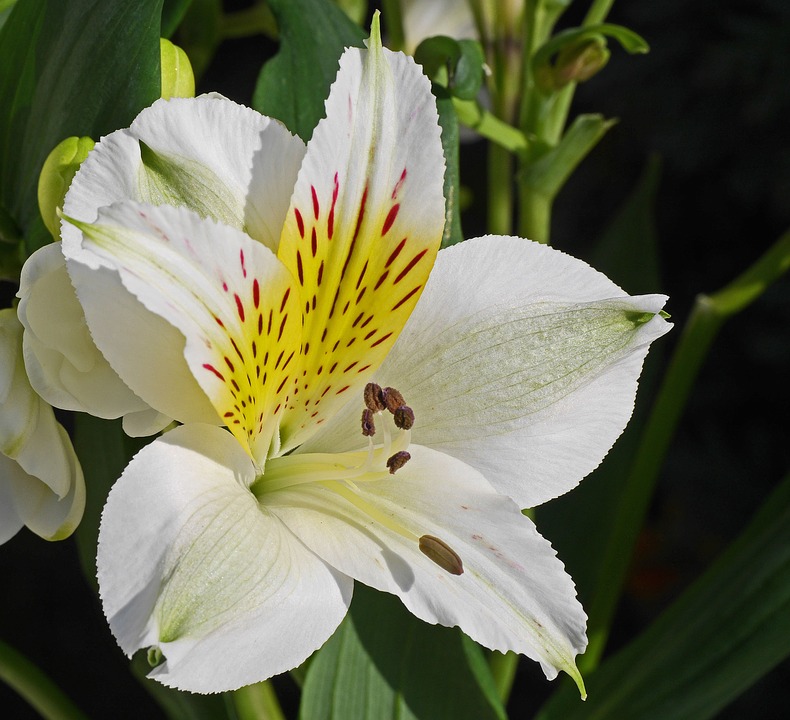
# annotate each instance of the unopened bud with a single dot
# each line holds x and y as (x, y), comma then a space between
(577, 63)
(56, 175)
(178, 80)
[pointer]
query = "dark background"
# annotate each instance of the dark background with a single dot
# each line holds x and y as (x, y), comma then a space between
(711, 101)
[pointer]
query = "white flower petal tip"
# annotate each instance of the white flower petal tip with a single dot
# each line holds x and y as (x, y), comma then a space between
(41, 481)
(190, 565)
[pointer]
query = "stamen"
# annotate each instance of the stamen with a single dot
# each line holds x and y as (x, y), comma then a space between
(397, 461)
(392, 399)
(374, 399)
(368, 426)
(404, 417)
(442, 554)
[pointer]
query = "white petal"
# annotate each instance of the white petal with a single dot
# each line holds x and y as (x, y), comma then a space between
(519, 360)
(44, 512)
(64, 365)
(218, 158)
(41, 476)
(188, 562)
(199, 312)
(364, 227)
(10, 521)
(513, 594)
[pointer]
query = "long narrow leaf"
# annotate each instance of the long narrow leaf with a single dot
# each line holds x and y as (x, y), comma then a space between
(729, 629)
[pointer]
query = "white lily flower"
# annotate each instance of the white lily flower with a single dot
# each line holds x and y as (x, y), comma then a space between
(261, 320)
(41, 482)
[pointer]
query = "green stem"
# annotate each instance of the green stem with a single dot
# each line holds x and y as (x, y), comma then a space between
(554, 124)
(500, 190)
(534, 220)
(597, 12)
(707, 316)
(503, 669)
(485, 123)
(35, 687)
(257, 702)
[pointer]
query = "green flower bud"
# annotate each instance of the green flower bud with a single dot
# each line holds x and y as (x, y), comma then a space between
(56, 175)
(178, 79)
(579, 62)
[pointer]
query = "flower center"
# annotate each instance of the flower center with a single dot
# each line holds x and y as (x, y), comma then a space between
(343, 473)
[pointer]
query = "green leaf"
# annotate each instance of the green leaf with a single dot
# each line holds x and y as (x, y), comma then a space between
(173, 13)
(455, 64)
(83, 67)
(628, 249)
(548, 168)
(100, 447)
(293, 85)
(383, 663)
(452, 179)
(724, 633)
(199, 33)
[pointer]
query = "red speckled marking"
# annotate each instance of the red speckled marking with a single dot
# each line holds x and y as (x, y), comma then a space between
(256, 294)
(395, 253)
(410, 266)
(239, 306)
(391, 215)
(214, 370)
(316, 207)
(299, 221)
(405, 298)
(398, 184)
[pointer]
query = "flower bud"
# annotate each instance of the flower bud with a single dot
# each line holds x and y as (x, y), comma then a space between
(56, 175)
(579, 62)
(178, 79)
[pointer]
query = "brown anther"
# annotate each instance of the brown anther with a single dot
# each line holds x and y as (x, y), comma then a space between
(442, 554)
(397, 461)
(392, 399)
(368, 426)
(374, 397)
(404, 417)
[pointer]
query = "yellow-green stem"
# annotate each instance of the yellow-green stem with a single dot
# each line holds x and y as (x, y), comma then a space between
(257, 702)
(500, 190)
(534, 220)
